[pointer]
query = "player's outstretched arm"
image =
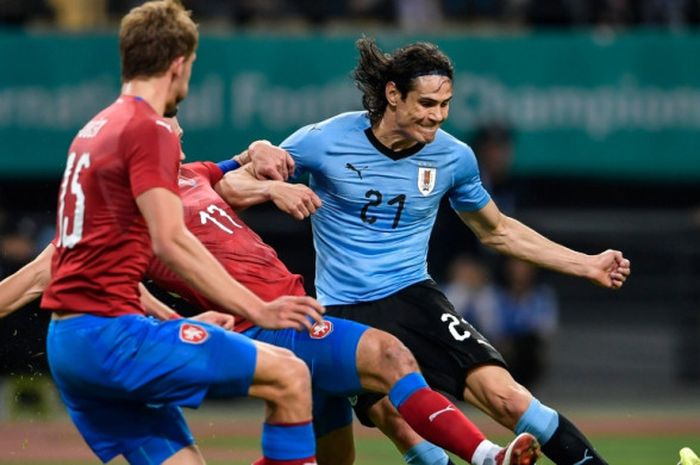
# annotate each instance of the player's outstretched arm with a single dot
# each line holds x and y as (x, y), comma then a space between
(27, 283)
(161, 311)
(182, 252)
(510, 237)
(241, 189)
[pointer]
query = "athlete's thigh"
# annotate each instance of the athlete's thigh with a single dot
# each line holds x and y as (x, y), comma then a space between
(140, 359)
(329, 351)
(143, 434)
(123, 378)
(444, 344)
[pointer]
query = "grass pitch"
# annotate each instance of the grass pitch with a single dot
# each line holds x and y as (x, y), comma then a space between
(230, 435)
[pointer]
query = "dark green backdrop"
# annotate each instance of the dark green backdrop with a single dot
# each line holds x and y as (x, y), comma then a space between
(581, 104)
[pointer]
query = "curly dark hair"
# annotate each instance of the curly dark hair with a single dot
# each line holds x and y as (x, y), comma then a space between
(375, 68)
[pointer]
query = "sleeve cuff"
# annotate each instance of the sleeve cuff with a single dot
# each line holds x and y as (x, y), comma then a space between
(228, 165)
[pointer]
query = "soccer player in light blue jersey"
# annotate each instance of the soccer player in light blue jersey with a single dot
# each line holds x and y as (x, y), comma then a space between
(381, 174)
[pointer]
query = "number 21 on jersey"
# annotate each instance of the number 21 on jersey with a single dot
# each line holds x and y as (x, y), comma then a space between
(71, 180)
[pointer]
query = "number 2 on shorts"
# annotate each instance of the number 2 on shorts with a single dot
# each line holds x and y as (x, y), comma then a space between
(456, 332)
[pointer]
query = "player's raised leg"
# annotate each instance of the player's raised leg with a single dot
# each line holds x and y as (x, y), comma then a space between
(337, 375)
(284, 383)
(492, 389)
(385, 365)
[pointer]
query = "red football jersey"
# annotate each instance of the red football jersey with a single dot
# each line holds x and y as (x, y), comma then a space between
(102, 242)
(241, 251)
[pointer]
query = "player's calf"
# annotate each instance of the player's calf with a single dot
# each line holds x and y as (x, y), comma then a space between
(449, 429)
(284, 383)
(386, 366)
(493, 388)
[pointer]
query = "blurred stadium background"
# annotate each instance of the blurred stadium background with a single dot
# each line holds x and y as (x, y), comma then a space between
(586, 118)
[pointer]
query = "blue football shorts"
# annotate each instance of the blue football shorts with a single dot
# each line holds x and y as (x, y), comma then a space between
(329, 351)
(124, 379)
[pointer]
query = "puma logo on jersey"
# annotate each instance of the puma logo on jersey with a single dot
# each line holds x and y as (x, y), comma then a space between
(356, 170)
(449, 408)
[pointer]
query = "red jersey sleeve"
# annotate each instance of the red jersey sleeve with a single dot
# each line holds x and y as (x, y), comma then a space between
(208, 170)
(152, 156)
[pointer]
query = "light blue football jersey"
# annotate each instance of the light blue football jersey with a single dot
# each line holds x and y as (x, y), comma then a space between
(371, 234)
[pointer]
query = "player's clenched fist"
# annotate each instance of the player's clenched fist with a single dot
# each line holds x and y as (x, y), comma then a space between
(611, 269)
(296, 312)
(296, 200)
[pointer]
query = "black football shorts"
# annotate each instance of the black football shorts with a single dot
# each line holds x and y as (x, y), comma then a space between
(445, 345)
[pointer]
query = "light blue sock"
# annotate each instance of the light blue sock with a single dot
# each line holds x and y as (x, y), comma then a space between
(538, 420)
(425, 453)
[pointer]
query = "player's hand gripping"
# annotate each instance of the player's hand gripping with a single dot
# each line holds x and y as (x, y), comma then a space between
(611, 269)
(224, 320)
(296, 312)
(296, 200)
(270, 161)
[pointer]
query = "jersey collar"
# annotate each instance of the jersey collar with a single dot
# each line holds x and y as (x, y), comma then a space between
(398, 155)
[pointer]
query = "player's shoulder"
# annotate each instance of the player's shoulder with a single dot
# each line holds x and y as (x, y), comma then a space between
(446, 142)
(347, 120)
(133, 117)
(193, 174)
(341, 122)
(327, 132)
(198, 170)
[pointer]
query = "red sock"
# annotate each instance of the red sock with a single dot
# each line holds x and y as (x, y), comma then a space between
(266, 461)
(436, 419)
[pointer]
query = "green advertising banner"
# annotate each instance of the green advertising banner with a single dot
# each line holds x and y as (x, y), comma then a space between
(615, 106)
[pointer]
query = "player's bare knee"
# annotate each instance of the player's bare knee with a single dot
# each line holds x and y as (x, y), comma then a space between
(294, 381)
(396, 359)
